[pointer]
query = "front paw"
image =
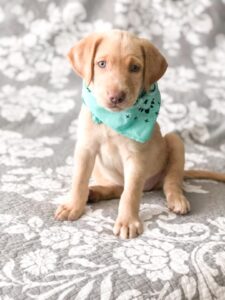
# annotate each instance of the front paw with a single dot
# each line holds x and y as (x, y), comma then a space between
(68, 212)
(128, 227)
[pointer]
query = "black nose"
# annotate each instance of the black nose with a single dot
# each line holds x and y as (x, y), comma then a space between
(117, 97)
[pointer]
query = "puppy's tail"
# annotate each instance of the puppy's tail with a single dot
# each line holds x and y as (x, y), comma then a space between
(201, 174)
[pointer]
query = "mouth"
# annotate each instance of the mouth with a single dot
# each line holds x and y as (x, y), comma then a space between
(114, 107)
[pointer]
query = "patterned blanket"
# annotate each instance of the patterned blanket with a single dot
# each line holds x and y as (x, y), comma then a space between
(177, 257)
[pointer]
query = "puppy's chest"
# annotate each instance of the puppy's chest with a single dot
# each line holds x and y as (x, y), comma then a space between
(114, 148)
(110, 156)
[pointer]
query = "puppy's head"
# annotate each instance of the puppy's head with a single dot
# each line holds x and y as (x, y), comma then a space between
(118, 66)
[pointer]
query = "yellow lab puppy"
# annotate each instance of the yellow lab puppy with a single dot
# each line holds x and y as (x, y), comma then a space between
(117, 66)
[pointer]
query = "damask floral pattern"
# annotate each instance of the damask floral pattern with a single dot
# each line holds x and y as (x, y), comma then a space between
(160, 254)
(164, 259)
(38, 262)
(171, 20)
(176, 257)
(17, 104)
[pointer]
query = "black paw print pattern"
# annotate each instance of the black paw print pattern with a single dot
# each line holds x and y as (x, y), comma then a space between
(144, 105)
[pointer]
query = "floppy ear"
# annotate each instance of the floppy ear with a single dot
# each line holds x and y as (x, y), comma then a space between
(81, 56)
(155, 64)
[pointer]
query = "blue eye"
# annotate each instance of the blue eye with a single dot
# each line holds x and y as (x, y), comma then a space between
(102, 64)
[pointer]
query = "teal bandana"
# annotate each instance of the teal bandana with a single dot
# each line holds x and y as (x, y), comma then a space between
(136, 122)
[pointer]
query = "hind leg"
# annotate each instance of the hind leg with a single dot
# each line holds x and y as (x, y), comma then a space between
(103, 188)
(101, 192)
(173, 180)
